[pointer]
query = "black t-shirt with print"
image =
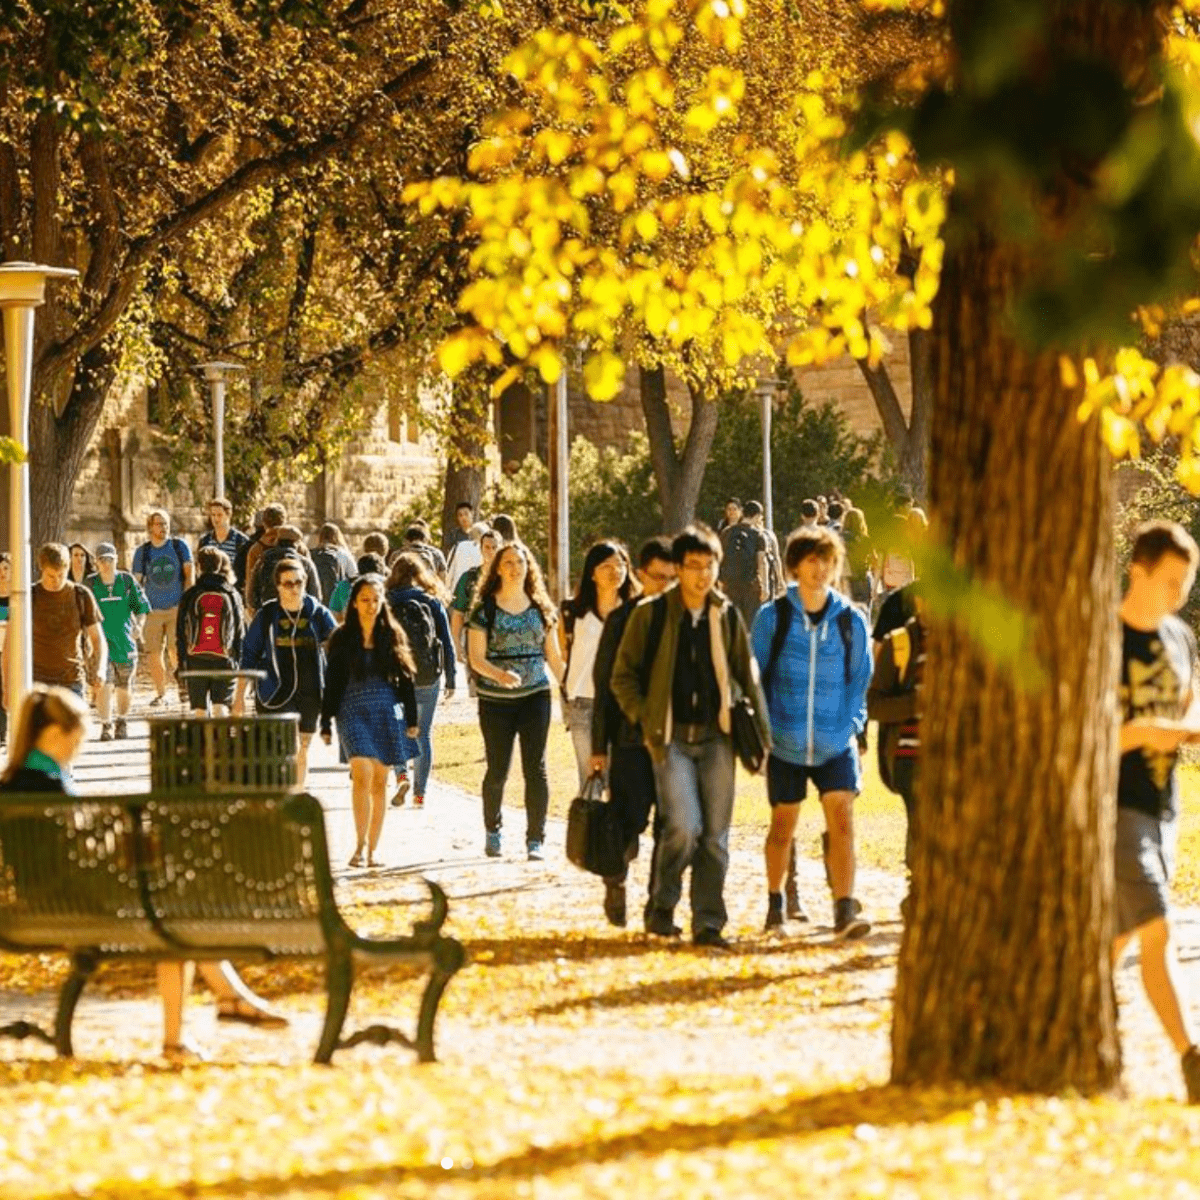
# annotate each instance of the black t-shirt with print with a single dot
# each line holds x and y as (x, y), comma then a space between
(1156, 679)
(296, 654)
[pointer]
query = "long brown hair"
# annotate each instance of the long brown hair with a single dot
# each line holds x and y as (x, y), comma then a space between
(390, 641)
(535, 588)
(42, 707)
(409, 569)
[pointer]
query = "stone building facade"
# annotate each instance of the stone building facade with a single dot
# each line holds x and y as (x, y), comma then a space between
(126, 471)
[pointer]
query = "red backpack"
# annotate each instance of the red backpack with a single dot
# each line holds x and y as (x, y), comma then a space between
(209, 608)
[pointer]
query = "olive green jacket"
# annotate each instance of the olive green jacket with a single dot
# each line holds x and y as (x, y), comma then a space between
(737, 671)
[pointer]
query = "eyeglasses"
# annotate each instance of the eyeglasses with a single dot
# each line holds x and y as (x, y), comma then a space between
(291, 583)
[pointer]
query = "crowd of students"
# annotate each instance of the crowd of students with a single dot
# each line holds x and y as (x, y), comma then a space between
(651, 656)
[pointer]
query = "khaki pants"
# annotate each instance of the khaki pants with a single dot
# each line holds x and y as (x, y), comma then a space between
(159, 634)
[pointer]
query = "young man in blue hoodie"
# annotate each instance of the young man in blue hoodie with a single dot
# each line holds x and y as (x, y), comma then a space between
(814, 656)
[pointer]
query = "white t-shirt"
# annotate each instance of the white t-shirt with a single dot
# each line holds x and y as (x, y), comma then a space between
(463, 556)
(584, 644)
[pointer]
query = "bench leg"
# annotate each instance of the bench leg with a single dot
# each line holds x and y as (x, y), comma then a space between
(447, 958)
(339, 980)
(82, 966)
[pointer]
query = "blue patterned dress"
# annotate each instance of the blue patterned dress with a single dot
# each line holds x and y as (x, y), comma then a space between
(370, 719)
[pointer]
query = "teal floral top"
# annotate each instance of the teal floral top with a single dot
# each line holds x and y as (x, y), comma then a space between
(515, 643)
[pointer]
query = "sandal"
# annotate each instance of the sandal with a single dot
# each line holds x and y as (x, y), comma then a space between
(246, 1013)
(356, 859)
(184, 1054)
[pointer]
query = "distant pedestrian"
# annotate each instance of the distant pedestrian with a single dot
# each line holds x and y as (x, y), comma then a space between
(417, 601)
(83, 565)
(744, 574)
(367, 564)
(606, 581)
(776, 581)
(618, 745)
(513, 651)
(286, 639)
(288, 544)
(731, 514)
(416, 539)
(858, 578)
(273, 518)
(221, 533)
(464, 555)
(464, 518)
(370, 692)
(123, 610)
(66, 626)
(209, 634)
(332, 560)
(163, 567)
(506, 527)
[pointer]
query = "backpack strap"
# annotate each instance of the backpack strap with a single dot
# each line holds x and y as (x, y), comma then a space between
(175, 544)
(845, 620)
(783, 621)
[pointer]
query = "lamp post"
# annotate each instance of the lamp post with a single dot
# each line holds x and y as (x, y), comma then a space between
(767, 390)
(217, 374)
(22, 289)
(562, 454)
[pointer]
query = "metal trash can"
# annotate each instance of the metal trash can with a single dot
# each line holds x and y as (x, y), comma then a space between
(224, 754)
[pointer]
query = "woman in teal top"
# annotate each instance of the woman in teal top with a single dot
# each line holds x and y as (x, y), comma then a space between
(511, 643)
(49, 734)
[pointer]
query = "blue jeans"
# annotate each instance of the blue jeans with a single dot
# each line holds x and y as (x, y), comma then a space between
(422, 749)
(695, 803)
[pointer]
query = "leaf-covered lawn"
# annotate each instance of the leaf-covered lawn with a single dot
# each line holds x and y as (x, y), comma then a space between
(576, 1060)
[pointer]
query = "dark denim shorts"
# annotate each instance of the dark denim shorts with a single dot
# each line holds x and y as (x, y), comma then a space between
(787, 783)
(1145, 864)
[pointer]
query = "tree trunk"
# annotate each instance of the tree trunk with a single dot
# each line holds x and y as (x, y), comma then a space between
(679, 477)
(467, 447)
(1004, 968)
(59, 444)
(908, 437)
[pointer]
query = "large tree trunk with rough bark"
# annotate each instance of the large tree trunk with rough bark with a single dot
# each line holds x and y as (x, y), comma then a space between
(1004, 970)
(679, 474)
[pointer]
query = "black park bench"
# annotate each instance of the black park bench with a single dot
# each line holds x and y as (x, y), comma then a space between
(195, 877)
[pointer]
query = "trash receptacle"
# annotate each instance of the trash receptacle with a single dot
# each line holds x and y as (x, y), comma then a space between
(224, 754)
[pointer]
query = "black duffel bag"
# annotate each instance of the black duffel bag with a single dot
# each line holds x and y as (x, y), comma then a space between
(595, 842)
(748, 742)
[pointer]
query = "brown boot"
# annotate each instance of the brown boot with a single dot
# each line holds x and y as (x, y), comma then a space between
(795, 910)
(614, 900)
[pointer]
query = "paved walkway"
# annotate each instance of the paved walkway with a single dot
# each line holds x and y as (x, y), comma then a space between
(592, 1003)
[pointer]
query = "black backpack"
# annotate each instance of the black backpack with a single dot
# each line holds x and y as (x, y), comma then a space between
(741, 548)
(263, 587)
(417, 622)
(783, 622)
(331, 570)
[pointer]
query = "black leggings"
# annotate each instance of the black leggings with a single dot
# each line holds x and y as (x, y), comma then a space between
(503, 721)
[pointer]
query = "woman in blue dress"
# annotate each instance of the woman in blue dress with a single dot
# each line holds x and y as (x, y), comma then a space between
(369, 689)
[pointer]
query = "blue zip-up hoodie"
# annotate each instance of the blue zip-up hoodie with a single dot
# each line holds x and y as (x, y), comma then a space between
(814, 715)
(258, 648)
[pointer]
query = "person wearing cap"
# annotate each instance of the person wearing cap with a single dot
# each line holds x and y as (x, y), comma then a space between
(123, 609)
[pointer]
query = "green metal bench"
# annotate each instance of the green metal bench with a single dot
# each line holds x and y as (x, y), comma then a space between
(196, 877)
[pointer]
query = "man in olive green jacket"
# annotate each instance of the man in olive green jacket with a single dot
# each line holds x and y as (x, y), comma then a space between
(683, 659)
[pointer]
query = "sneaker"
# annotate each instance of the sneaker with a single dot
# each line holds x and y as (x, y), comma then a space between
(106, 733)
(119, 729)
(660, 924)
(401, 792)
(418, 802)
(1191, 1074)
(158, 701)
(533, 851)
(491, 847)
(847, 924)
(713, 939)
(614, 902)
